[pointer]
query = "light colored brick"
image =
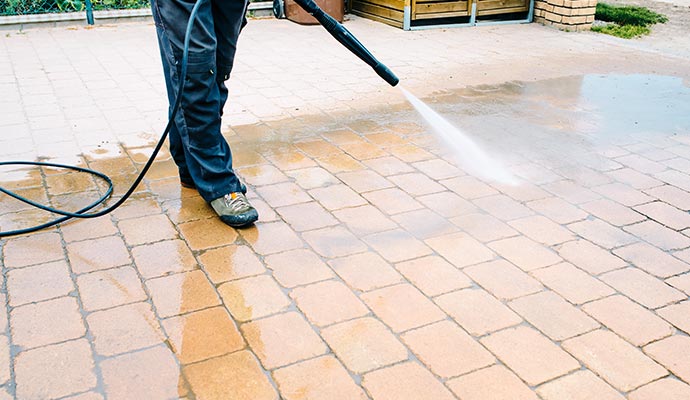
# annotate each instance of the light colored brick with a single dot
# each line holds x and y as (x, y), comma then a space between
(615, 360)
(659, 235)
(643, 288)
(397, 245)
(364, 220)
(503, 279)
(581, 385)
(234, 376)
(364, 344)
(477, 311)
(334, 242)
(612, 212)
(495, 382)
(503, 207)
(252, 298)
(667, 389)
(424, 224)
(282, 339)
(573, 284)
(320, 378)
(402, 307)
(408, 381)
(623, 194)
(652, 260)
(271, 238)
(307, 216)
(328, 302)
(542, 230)
(525, 253)
(162, 258)
(601, 233)
(678, 315)
(484, 227)
(158, 227)
(532, 356)
(460, 249)
(447, 350)
(672, 353)
(433, 275)
(589, 257)
(182, 293)
(365, 271)
(38, 283)
(447, 204)
(570, 191)
(231, 262)
(52, 321)
(97, 254)
(30, 250)
(392, 201)
(681, 282)
(634, 323)
(665, 214)
(297, 267)
(124, 329)
(672, 195)
(553, 316)
(626, 175)
(558, 210)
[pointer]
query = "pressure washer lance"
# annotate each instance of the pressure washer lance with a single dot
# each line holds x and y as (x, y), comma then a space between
(341, 34)
(334, 27)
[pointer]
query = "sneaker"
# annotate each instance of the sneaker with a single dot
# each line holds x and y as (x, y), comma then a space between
(234, 209)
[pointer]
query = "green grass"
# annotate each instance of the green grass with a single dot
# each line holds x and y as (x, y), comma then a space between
(628, 21)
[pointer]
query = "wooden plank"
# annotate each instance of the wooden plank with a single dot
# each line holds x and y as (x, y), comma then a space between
(499, 11)
(382, 12)
(502, 5)
(442, 15)
(454, 7)
(397, 24)
(394, 4)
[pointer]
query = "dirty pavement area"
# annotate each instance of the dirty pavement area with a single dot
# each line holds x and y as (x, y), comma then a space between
(379, 269)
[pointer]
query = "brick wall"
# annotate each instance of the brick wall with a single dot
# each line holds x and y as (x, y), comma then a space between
(572, 15)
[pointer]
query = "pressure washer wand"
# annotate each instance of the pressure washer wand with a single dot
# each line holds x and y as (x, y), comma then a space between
(341, 34)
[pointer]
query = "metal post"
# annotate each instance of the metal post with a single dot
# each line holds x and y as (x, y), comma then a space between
(89, 12)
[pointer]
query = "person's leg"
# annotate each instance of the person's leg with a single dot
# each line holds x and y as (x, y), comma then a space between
(206, 155)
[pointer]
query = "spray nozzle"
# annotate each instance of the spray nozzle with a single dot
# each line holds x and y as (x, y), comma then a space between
(341, 34)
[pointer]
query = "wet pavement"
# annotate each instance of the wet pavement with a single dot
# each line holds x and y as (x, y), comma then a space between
(379, 269)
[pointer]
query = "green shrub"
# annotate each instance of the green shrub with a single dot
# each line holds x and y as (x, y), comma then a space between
(622, 31)
(628, 15)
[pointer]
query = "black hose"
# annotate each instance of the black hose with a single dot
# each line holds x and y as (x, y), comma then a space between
(82, 213)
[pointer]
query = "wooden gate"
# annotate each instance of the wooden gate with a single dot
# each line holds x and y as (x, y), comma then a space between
(417, 14)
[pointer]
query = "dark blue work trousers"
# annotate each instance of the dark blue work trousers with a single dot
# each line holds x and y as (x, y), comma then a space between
(199, 149)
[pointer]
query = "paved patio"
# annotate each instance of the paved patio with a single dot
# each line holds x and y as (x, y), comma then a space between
(379, 268)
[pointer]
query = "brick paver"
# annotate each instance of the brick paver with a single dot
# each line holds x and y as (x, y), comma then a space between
(380, 269)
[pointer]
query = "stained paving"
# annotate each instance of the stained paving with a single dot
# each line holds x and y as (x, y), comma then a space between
(379, 269)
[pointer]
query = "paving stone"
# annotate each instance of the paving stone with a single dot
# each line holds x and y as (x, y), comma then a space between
(652, 260)
(558, 210)
(387, 166)
(52, 321)
(97, 254)
(503, 207)
(659, 235)
(573, 284)
(496, 382)
(30, 250)
(601, 233)
(634, 323)
(231, 262)
(533, 357)
(460, 249)
(328, 302)
(681, 282)
(477, 311)
(672, 353)
(182, 293)
(158, 227)
(581, 385)
(469, 187)
(392, 201)
(282, 339)
(447, 204)
(88, 229)
(254, 297)
(163, 258)
(484, 227)
(433, 275)
(283, 194)
(503, 280)
(424, 224)
(365, 271)
(404, 381)
(109, 288)
(437, 169)
(612, 212)
(645, 289)
(334, 242)
(5, 360)
(668, 388)
(416, 184)
(261, 175)
(312, 178)
(447, 350)
(570, 191)
(55, 371)
(615, 360)
(589, 257)
(402, 307)
(337, 197)
(271, 238)
(634, 178)
(207, 233)
(152, 374)
(397, 245)
(672, 195)
(203, 334)
(678, 315)
(297, 267)
(665, 214)
(364, 344)
(233, 376)
(623, 194)
(542, 230)
(307, 216)
(364, 181)
(38, 283)
(525, 253)
(320, 378)
(553, 316)
(122, 329)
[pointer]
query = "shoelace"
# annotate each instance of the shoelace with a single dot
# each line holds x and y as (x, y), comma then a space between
(238, 204)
